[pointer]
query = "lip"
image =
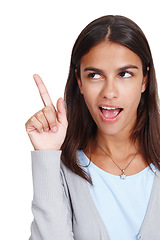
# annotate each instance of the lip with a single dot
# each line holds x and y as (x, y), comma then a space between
(110, 120)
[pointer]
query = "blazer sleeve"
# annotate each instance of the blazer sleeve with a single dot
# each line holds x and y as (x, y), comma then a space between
(50, 206)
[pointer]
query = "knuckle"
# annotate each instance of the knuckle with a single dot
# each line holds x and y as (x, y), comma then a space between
(53, 123)
(26, 126)
(39, 114)
(27, 123)
(45, 125)
(32, 119)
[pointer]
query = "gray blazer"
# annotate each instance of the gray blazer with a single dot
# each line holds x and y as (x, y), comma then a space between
(63, 208)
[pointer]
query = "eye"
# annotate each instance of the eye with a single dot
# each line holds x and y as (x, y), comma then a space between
(125, 74)
(94, 75)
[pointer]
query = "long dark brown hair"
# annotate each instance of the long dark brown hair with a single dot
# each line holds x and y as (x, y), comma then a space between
(81, 126)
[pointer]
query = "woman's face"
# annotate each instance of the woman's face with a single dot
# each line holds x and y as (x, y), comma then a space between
(112, 82)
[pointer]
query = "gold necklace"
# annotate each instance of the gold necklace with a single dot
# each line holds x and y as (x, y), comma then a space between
(123, 175)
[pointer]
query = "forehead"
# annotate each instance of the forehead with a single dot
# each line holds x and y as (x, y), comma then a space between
(110, 55)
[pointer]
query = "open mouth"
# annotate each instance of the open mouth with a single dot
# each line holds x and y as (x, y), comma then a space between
(110, 112)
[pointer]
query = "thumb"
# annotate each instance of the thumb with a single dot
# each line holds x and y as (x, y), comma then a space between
(61, 112)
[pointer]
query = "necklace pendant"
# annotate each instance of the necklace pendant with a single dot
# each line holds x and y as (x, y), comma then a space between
(123, 176)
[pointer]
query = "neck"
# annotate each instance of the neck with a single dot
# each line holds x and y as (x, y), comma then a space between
(117, 147)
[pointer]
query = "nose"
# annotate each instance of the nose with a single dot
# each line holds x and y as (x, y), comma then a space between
(110, 89)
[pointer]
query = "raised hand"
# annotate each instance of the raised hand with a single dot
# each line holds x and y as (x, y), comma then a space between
(47, 128)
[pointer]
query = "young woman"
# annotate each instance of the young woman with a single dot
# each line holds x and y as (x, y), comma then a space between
(96, 165)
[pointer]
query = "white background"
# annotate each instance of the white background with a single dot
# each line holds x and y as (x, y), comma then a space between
(37, 36)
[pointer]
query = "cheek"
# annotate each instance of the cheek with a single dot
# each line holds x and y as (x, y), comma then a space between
(90, 95)
(133, 96)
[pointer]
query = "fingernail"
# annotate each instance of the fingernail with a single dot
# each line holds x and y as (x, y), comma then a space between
(54, 129)
(46, 129)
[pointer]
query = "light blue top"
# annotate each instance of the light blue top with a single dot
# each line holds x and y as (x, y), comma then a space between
(122, 204)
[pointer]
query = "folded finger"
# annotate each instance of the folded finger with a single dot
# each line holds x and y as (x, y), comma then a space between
(42, 119)
(51, 117)
(34, 124)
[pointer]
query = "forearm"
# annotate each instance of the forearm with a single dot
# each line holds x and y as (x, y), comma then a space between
(52, 216)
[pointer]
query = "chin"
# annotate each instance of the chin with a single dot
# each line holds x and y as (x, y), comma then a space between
(110, 131)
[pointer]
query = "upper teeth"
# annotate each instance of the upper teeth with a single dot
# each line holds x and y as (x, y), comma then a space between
(108, 108)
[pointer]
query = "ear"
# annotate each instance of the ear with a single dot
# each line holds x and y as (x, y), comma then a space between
(145, 82)
(79, 82)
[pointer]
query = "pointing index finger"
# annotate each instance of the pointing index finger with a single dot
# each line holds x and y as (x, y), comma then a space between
(43, 91)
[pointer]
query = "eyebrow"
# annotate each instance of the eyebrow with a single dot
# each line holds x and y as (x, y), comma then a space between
(118, 70)
(93, 69)
(127, 67)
